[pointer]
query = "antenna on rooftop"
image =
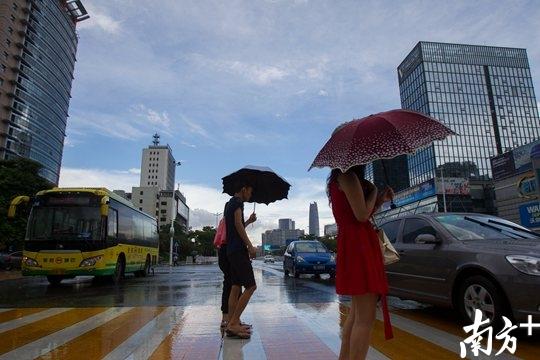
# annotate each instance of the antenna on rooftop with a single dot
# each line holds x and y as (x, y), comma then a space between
(156, 139)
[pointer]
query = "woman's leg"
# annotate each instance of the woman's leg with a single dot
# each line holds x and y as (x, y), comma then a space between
(364, 307)
(346, 333)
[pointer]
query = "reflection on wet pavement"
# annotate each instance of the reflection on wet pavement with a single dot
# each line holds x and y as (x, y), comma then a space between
(176, 315)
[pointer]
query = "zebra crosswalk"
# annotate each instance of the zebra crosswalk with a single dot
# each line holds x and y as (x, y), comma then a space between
(292, 331)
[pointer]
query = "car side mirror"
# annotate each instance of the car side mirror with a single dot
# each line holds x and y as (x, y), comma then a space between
(427, 239)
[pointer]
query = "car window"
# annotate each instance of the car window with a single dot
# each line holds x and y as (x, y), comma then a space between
(391, 229)
(415, 227)
(310, 247)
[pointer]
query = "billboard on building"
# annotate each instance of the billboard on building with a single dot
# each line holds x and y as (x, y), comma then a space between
(530, 214)
(503, 166)
(453, 186)
(415, 193)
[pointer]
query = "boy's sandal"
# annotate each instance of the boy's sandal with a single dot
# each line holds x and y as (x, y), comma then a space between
(237, 335)
(224, 324)
(246, 325)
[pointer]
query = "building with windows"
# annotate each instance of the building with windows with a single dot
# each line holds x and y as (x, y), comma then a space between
(278, 238)
(38, 44)
(314, 219)
(286, 224)
(156, 195)
(484, 93)
(158, 166)
(330, 230)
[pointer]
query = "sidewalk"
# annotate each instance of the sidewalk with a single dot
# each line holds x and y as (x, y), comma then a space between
(10, 275)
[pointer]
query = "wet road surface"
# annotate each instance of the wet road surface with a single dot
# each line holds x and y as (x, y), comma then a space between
(175, 315)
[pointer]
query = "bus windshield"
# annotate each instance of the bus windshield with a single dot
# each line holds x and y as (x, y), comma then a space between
(64, 223)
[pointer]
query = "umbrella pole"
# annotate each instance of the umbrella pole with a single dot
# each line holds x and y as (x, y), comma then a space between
(392, 205)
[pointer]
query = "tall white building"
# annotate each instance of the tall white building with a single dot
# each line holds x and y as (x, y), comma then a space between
(158, 166)
(156, 195)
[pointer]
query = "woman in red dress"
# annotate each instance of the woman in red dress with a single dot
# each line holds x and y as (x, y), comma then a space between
(360, 268)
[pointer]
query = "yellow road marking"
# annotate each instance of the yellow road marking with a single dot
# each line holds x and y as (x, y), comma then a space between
(18, 313)
(100, 341)
(23, 335)
(525, 347)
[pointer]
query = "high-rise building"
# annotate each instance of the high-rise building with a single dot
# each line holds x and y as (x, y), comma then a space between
(156, 195)
(330, 230)
(286, 224)
(484, 93)
(158, 166)
(389, 172)
(277, 238)
(314, 219)
(38, 44)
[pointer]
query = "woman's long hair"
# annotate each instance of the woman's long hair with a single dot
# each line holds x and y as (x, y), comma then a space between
(358, 170)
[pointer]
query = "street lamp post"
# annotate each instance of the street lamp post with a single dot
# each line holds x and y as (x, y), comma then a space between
(171, 232)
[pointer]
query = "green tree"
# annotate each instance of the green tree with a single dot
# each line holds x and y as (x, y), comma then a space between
(330, 242)
(17, 177)
(308, 237)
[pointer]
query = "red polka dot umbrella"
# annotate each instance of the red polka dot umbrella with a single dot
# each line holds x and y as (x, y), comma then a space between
(380, 136)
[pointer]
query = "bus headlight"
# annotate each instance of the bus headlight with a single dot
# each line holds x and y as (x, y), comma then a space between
(30, 262)
(90, 261)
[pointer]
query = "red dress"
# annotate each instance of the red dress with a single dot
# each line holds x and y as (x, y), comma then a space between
(360, 266)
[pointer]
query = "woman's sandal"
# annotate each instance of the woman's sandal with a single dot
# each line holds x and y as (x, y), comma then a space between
(237, 335)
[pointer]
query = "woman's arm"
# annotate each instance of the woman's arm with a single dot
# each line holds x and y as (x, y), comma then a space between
(361, 207)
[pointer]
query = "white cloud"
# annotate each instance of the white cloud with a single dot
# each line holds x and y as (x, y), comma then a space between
(110, 179)
(323, 93)
(99, 20)
(258, 74)
(206, 201)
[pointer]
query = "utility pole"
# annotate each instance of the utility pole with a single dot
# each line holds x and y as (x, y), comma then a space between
(443, 188)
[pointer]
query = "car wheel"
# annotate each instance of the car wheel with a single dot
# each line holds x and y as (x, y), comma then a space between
(478, 292)
(118, 275)
(54, 280)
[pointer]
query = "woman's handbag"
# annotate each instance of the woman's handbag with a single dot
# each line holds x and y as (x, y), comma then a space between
(390, 255)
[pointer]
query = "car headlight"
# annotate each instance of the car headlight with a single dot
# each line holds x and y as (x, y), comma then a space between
(526, 264)
(300, 259)
(90, 261)
(30, 262)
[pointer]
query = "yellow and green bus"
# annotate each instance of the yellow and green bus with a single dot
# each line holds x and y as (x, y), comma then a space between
(86, 231)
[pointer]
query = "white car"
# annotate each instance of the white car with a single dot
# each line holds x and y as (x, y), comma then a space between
(269, 259)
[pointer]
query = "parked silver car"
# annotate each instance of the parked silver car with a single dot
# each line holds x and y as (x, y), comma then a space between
(468, 262)
(10, 261)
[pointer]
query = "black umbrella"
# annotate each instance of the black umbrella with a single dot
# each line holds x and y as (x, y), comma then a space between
(267, 185)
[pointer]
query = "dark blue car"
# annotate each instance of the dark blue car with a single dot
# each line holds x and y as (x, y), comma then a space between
(308, 257)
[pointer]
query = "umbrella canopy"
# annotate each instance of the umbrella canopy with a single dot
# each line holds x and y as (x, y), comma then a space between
(380, 136)
(267, 185)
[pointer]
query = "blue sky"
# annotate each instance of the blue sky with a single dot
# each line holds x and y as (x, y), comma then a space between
(229, 83)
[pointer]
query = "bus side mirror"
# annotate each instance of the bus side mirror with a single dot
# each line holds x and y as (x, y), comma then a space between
(104, 207)
(12, 211)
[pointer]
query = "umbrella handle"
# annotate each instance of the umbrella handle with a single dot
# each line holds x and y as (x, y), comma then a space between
(254, 204)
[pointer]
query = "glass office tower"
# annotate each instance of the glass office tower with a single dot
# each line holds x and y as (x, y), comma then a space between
(483, 93)
(36, 73)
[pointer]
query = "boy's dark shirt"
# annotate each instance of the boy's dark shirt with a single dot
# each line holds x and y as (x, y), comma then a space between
(234, 241)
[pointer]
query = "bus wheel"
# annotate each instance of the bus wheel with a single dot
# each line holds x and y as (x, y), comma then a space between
(54, 279)
(118, 275)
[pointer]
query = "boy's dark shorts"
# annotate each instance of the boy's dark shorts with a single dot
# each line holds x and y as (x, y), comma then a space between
(241, 269)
